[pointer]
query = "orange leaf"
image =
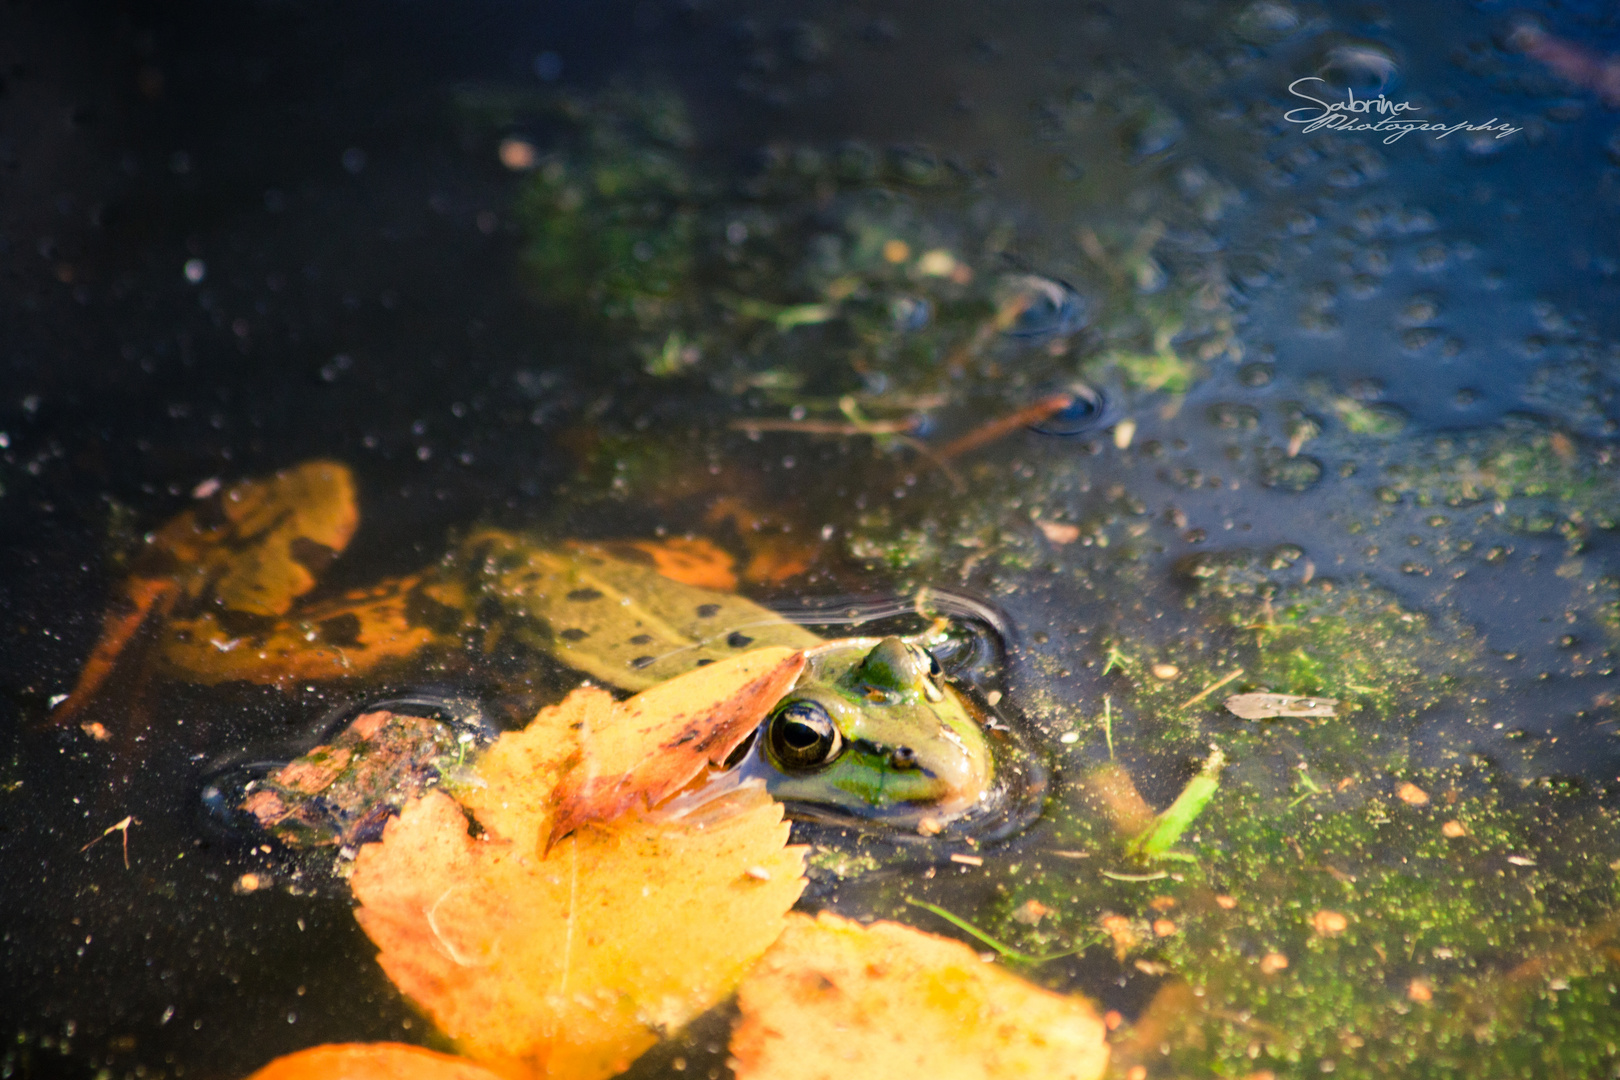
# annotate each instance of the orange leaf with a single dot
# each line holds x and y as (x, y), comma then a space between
(693, 561)
(569, 963)
(663, 738)
(371, 1061)
(143, 598)
(834, 1000)
(349, 636)
(283, 532)
(254, 547)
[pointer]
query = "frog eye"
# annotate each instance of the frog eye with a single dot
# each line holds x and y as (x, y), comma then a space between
(802, 736)
(933, 664)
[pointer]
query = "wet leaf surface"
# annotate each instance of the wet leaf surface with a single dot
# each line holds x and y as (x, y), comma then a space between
(656, 743)
(372, 1061)
(569, 962)
(835, 999)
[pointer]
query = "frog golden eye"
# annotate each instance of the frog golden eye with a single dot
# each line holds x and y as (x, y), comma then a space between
(802, 736)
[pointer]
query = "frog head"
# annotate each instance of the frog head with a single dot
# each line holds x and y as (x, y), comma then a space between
(873, 730)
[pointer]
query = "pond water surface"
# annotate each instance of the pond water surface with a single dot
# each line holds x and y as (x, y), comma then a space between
(1051, 307)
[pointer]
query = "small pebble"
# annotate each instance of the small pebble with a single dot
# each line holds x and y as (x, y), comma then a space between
(1412, 795)
(1453, 829)
(1165, 671)
(518, 154)
(1329, 923)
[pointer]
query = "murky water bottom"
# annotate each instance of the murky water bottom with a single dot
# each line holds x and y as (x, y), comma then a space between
(1358, 443)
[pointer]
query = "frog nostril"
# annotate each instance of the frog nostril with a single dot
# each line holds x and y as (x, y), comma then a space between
(903, 757)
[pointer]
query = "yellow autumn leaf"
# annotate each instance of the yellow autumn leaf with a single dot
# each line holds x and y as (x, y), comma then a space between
(371, 1061)
(835, 1000)
(659, 741)
(573, 962)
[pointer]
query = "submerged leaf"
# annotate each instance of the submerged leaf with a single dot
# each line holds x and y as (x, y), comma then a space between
(619, 619)
(348, 636)
(661, 740)
(371, 1061)
(834, 1000)
(688, 560)
(253, 548)
(569, 963)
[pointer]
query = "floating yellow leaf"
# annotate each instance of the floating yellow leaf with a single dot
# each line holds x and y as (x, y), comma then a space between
(834, 1000)
(570, 963)
(660, 740)
(371, 1061)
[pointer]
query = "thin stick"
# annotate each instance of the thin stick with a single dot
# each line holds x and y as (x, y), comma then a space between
(996, 429)
(828, 427)
(121, 827)
(1210, 689)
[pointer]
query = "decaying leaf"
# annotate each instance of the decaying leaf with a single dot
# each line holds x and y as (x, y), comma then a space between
(348, 636)
(252, 548)
(659, 741)
(1266, 706)
(834, 1000)
(372, 1061)
(569, 963)
(342, 792)
(282, 533)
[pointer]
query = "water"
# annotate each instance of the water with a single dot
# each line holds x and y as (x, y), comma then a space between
(240, 237)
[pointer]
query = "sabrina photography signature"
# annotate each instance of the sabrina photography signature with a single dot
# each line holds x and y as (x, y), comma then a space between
(1377, 114)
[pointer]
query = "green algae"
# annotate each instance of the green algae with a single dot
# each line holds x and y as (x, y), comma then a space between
(1285, 632)
(1536, 476)
(844, 269)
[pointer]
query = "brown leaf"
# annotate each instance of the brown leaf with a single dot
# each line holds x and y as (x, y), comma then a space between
(834, 1000)
(371, 1061)
(662, 739)
(1266, 706)
(569, 963)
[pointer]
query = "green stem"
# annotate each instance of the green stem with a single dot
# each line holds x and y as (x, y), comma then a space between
(1005, 950)
(1108, 724)
(1176, 818)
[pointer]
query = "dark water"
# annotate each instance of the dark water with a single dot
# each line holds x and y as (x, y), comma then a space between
(237, 236)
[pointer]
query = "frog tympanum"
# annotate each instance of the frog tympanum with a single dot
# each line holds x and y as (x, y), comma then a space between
(873, 729)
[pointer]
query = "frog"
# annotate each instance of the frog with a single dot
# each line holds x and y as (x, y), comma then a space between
(874, 730)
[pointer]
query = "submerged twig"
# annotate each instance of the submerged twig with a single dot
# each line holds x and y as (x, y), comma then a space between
(1210, 689)
(996, 429)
